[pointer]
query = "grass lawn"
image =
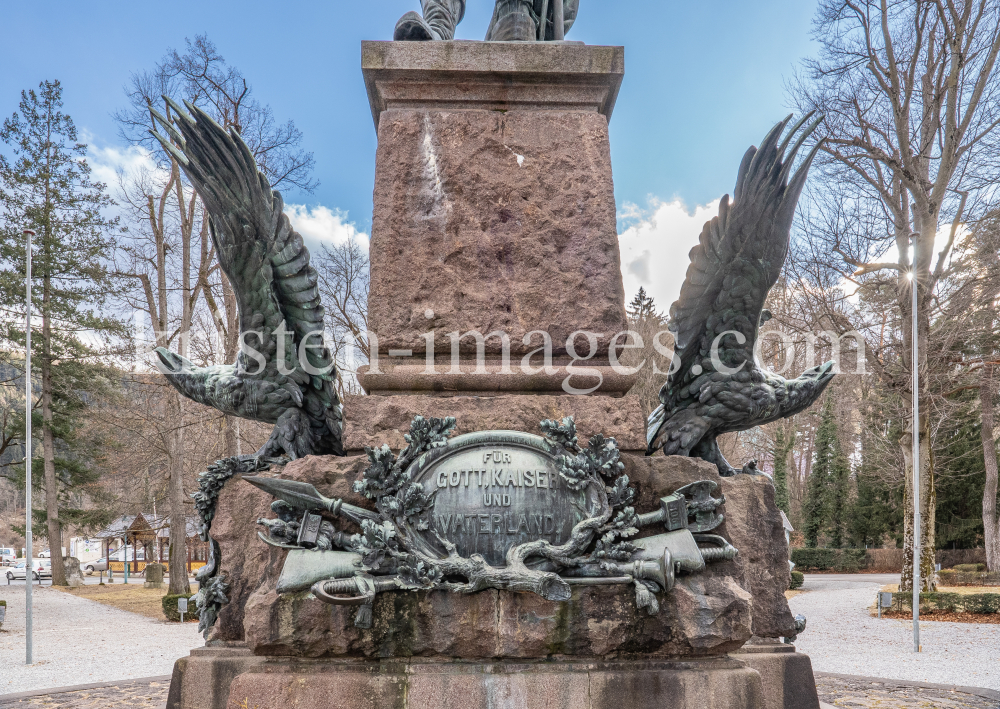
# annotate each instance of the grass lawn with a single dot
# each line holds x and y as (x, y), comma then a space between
(130, 597)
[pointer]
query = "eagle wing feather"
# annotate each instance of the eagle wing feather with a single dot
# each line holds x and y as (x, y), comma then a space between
(738, 258)
(265, 260)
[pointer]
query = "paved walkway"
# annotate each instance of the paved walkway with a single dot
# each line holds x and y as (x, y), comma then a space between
(124, 695)
(858, 692)
(841, 637)
(78, 641)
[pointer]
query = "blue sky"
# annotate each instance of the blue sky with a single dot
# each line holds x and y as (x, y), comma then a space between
(703, 81)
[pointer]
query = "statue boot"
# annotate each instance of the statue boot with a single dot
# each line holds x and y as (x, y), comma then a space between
(513, 21)
(438, 21)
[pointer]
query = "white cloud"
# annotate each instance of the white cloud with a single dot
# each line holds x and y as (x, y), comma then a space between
(654, 249)
(106, 162)
(322, 224)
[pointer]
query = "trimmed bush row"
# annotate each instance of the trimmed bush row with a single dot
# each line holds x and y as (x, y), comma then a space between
(889, 560)
(954, 577)
(970, 568)
(170, 607)
(950, 602)
(829, 559)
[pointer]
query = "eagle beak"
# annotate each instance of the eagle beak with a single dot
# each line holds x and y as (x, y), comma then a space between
(171, 363)
(823, 373)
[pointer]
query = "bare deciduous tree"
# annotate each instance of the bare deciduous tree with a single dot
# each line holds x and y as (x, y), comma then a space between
(343, 287)
(170, 256)
(912, 103)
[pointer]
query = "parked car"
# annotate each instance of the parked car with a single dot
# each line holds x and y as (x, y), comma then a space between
(7, 556)
(91, 567)
(40, 569)
(133, 554)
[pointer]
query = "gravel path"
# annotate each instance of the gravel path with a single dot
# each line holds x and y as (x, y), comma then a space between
(841, 637)
(78, 641)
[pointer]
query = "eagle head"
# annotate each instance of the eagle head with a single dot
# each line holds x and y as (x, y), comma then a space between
(802, 391)
(187, 378)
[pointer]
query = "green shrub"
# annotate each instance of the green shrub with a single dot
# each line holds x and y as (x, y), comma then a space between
(982, 603)
(951, 602)
(970, 568)
(851, 560)
(848, 560)
(819, 559)
(170, 607)
(798, 578)
(955, 577)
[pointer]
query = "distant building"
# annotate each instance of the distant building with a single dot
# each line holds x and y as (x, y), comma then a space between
(147, 539)
(788, 536)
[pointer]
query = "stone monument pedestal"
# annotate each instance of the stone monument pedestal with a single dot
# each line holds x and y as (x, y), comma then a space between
(154, 576)
(494, 214)
(494, 217)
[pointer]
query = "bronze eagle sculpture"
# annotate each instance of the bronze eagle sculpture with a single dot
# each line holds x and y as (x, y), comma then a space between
(283, 374)
(715, 385)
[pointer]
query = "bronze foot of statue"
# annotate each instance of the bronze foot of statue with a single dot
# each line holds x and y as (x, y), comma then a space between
(513, 21)
(437, 23)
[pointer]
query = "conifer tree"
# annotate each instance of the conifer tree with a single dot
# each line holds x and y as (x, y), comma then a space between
(641, 307)
(814, 509)
(838, 507)
(46, 187)
(828, 491)
(782, 446)
(818, 495)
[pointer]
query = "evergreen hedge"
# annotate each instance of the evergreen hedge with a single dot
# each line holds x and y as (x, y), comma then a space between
(957, 577)
(821, 559)
(170, 607)
(798, 578)
(950, 602)
(970, 568)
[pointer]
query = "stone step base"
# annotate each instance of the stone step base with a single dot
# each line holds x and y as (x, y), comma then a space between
(224, 678)
(787, 675)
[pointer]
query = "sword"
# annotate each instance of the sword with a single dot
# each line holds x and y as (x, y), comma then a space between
(305, 496)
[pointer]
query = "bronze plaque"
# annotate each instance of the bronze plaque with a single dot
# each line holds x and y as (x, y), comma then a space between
(496, 489)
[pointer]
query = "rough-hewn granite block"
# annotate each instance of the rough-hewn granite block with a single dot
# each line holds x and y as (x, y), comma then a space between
(710, 613)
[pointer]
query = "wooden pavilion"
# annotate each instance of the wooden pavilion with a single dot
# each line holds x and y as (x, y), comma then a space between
(148, 539)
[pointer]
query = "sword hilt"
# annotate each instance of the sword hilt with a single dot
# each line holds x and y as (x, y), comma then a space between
(364, 586)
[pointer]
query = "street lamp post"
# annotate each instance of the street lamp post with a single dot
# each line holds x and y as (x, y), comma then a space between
(914, 363)
(28, 233)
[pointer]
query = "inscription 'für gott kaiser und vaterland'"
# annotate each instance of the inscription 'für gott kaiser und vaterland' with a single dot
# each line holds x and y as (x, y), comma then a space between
(495, 493)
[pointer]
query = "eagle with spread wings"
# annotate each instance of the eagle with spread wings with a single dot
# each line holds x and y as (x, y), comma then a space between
(715, 385)
(283, 374)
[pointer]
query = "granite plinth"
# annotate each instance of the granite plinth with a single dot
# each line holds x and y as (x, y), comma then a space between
(494, 210)
(786, 675)
(235, 681)
(371, 421)
(470, 377)
(495, 76)
(710, 613)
